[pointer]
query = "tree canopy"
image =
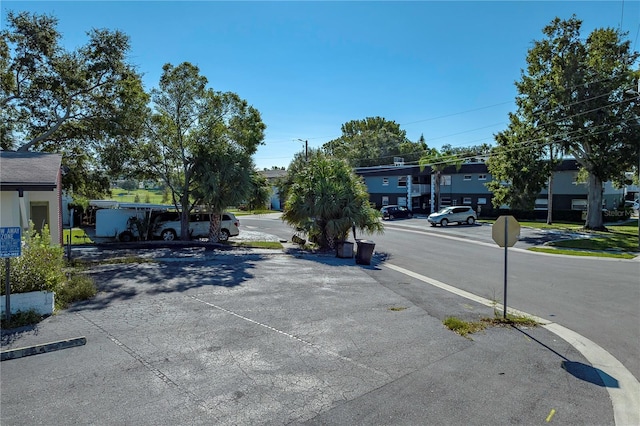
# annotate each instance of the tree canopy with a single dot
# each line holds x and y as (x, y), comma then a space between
(200, 142)
(374, 141)
(326, 199)
(86, 101)
(572, 96)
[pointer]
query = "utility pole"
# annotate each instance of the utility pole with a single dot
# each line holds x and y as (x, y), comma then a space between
(306, 149)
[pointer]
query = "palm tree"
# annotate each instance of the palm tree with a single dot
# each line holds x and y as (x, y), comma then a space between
(223, 179)
(327, 199)
(438, 161)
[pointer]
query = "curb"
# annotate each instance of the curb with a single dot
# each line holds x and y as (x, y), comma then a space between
(40, 349)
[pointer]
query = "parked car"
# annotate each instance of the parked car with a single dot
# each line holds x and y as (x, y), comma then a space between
(632, 204)
(394, 212)
(167, 226)
(457, 214)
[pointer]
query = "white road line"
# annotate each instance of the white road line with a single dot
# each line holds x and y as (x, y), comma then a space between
(625, 398)
(495, 246)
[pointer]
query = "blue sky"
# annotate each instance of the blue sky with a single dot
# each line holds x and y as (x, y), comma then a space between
(442, 69)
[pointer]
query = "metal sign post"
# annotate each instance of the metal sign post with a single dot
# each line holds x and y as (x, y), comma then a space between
(505, 232)
(10, 246)
(506, 247)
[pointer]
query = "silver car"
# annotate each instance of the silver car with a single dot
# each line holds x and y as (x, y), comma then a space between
(453, 214)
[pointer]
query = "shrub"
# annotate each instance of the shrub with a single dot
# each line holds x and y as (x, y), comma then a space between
(77, 287)
(21, 319)
(39, 268)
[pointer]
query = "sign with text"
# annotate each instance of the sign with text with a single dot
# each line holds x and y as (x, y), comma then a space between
(10, 241)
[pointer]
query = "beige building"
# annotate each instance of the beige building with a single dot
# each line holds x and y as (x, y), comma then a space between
(30, 190)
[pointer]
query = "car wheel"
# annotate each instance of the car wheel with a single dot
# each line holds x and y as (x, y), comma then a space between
(169, 235)
(224, 235)
(125, 237)
(391, 217)
(410, 215)
(470, 220)
(444, 222)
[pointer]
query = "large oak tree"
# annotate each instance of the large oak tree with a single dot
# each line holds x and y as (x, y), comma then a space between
(87, 104)
(572, 94)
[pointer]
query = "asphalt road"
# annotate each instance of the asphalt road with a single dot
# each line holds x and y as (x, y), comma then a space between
(597, 297)
(235, 337)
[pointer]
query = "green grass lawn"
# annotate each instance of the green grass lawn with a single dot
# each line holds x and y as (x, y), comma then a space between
(150, 196)
(621, 240)
(78, 236)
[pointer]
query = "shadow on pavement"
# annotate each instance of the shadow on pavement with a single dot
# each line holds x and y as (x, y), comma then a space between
(329, 258)
(579, 370)
(170, 274)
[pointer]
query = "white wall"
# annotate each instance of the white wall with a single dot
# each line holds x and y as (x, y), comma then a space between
(12, 207)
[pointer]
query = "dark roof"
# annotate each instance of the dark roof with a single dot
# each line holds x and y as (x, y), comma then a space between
(415, 170)
(35, 171)
(476, 167)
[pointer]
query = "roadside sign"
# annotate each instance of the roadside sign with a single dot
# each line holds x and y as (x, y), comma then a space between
(505, 231)
(10, 241)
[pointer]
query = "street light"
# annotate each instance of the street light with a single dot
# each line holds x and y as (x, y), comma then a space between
(306, 149)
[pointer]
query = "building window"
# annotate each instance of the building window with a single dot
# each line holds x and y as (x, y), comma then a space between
(445, 201)
(541, 204)
(385, 181)
(482, 200)
(402, 181)
(445, 180)
(579, 204)
(466, 200)
(385, 200)
(482, 177)
(467, 177)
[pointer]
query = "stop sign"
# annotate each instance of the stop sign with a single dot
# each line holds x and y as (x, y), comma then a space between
(506, 231)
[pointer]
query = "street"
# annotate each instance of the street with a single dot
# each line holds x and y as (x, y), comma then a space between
(597, 297)
(202, 335)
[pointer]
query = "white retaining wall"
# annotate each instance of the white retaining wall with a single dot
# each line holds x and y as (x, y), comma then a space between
(40, 301)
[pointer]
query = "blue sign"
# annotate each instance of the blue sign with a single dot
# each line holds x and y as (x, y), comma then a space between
(10, 241)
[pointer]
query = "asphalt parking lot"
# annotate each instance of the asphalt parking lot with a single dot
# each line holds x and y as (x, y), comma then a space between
(239, 337)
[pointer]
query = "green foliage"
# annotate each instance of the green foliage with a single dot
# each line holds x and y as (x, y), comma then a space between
(129, 185)
(78, 287)
(87, 104)
(199, 141)
(259, 192)
(573, 94)
(326, 199)
(438, 161)
(374, 141)
(39, 268)
(462, 327)
(21, 319)
(519, 166)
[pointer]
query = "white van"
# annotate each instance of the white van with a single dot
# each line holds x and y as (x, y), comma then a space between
(167, 226)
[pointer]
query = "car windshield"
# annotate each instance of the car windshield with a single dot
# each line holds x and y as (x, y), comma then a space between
(444, 210)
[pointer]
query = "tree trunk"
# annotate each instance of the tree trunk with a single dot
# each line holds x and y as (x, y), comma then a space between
(214, 227)
(184, 218)
(550, 200)
(594, 204)
(437, 191)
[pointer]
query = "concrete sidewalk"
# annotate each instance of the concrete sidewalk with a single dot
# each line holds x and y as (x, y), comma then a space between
(237, 337)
